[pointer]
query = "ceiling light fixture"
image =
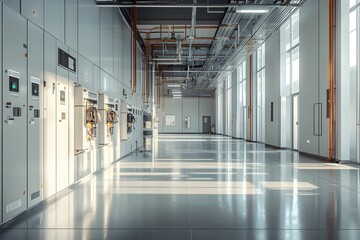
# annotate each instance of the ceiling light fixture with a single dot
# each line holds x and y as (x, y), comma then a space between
(174, 85)
(252, 9)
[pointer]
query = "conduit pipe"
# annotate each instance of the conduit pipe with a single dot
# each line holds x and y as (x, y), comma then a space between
(332, 81)
(192, 31)
(133, 45)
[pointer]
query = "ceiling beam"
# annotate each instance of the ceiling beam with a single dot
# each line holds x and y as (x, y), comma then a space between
(192, 71)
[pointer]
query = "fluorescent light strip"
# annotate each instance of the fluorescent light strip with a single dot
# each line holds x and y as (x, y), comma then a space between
(252, 9)
(174, 85)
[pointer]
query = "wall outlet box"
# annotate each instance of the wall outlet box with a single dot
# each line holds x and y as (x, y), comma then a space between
(308, 141)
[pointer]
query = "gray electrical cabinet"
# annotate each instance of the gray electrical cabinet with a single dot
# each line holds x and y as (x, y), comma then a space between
(35, 113)
(14, 116)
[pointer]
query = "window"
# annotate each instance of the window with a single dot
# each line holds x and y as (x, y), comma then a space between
(289, 79)
(241, 101)
(260, 94)
(290, 55)
(229, 106)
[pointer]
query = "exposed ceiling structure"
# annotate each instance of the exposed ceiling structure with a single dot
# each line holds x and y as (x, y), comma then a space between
(196, 42)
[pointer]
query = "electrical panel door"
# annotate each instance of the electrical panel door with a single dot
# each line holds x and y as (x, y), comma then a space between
(35, 113)
(62, 134)
(14, 114)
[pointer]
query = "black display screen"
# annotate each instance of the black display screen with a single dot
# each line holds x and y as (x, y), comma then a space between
(66, 61)
(13, 84)
(35, 89)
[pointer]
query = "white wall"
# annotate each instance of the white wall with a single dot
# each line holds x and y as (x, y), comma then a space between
(313, 81)
(195, 108)
(313, 75)
(99, 39)
(272, 89)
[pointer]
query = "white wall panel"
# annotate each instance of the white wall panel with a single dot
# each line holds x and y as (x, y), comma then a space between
(190, 108)
(96, 78)
(309, 75)
(117, 45)
(14, 4)
(104, 85)
(206, 108)
(195, 108)
(62, 126)
(88, 31)
(72, 79)
(107, 40)
(172, 108)
(86, 73)
(50, 116)
(126, 56)
(54, 21)
(71, 24)
(34, 11)
(272, 89)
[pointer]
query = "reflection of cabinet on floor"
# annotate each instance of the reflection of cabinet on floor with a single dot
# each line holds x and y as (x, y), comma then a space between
(147, 131)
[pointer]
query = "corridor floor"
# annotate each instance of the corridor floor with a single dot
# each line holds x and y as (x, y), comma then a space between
(202, 187)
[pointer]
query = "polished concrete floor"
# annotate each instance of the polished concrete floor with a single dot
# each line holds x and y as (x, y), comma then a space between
(204, 187)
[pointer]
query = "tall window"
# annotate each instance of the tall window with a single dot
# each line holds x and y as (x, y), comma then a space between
(220, 109)
(290, 55)
(260, 95)
(353, 80)
(229, 106)
(242, 109)
(289, 84)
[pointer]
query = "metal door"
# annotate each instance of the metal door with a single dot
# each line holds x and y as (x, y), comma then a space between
(35, 114)
(14, 114)
(206, 124)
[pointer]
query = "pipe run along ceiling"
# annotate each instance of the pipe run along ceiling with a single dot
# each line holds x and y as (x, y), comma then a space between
(197, 42)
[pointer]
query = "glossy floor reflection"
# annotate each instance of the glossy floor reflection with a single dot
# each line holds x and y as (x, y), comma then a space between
(204, 187)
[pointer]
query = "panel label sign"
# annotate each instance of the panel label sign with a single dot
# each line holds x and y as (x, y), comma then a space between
(170, 120)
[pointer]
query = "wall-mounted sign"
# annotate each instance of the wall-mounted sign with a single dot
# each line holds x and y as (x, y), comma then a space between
(170, 120)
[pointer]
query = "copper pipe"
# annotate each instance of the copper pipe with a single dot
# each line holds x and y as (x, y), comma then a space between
(134, 47)
(159, 93)
(148, 79)
(332, 81)
(251, 97)
(143, 93)
(163, 95)
(160, 32)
